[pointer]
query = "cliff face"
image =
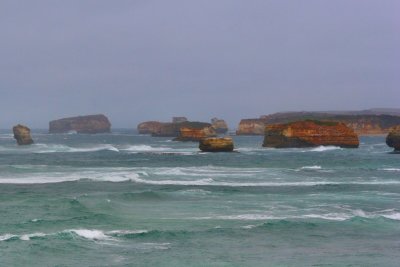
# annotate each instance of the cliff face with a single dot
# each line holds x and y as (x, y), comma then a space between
(361, 124)
(309, 134)
(22, 134)
(149, 127)
(216, 144)
(219, 125)
(90, 124)
(393, 138)
(170, 129)
(195, 132)
(251, 127)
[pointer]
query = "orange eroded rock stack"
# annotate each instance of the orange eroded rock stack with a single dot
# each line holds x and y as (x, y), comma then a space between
(310, 133)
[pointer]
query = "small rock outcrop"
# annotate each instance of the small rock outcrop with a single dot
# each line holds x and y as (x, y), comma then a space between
(149, 127)
(90, 124)
(393, 138)
(222, 144)
(219, 125)
(310, 133)
(195, 131)
(22, 134)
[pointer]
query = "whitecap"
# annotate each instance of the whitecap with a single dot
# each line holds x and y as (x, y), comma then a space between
(314, 167)
(90, 234)
(127, 232)
(54, 148)
(6, 237)
(322, 149)
(393, 216)
(144, 148)
(249, 226)
(28, 237)
(390, 169)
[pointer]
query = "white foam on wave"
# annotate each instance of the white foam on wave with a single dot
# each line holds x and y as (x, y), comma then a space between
(59, 177)
(90, 234)
(53, 148)
(206, 181)
(28, 237)
(6, 237)
(325, 216)
(145, 148)
(393, 216)
(390, 169)
(323, 148)
(314, 167)
(211, 182)
(127, 232)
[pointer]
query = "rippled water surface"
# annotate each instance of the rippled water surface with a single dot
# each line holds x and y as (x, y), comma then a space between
(127, 200)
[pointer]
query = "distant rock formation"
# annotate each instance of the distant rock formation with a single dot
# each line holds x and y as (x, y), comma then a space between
(393, 138)
(179, 119)
(195, 131)
(310, 133)
(149, 127)
(90, 124)
(173, 129)
(215, 144)
(219, 125)
(22, 134)
(251, 127)
(363, 122)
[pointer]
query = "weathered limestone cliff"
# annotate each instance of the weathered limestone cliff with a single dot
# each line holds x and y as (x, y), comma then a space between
(393, 138)
(215, 144)
(172, 129)
(195, 132)
(219, 125)
(149, 127)
(22, 134)
(369, 124)
(251, 127)
(90, 124)
(309, 134)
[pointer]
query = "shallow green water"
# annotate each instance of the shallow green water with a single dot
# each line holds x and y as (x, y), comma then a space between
(128, 200)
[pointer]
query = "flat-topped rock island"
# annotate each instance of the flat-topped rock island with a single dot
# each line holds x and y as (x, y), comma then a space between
(90, 124)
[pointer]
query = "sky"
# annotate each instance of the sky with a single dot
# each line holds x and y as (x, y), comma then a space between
(150, 60)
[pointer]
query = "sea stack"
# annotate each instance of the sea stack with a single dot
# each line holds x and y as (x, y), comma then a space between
(219, 125)
(22, 134)
(195, 131)
(149, 127)
(215, 144)
(251, 127)
(310, 133)
(91, 124)
(393, 138)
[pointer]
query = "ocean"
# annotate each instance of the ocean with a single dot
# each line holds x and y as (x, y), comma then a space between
(124, 199)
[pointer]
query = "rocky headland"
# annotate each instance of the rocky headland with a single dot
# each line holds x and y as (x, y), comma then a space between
(310, 133)
(393, 138)
(363, 122)
(215, 144)
(22, 134)
(90, 124)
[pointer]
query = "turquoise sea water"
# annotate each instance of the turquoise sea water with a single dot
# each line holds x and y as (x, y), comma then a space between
(127, 200)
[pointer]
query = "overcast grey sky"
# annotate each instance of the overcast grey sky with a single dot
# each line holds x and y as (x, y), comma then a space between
(150, 60)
